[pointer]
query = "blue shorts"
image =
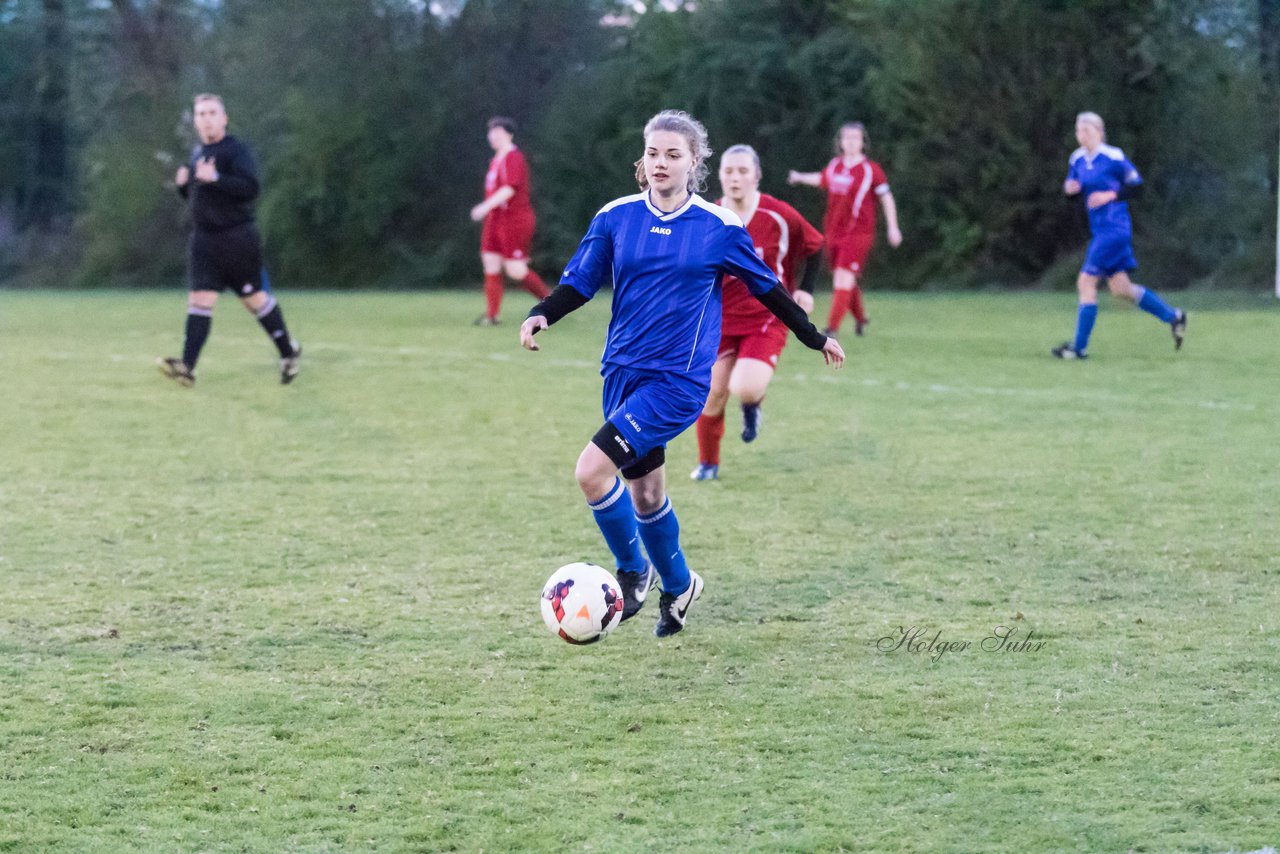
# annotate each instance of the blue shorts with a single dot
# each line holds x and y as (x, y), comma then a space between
(1109, 254)
(651, 408)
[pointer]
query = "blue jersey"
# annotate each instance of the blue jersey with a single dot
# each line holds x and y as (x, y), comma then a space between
(1107, 169)
(666, 269)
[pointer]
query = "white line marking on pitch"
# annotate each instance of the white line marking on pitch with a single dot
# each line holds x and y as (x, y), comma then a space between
(941, 388)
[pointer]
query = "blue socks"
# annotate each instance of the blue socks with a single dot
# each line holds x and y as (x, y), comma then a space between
(616, 516)
(1152, 304)
(661, 534)
(1085, 316)
(1087, 313)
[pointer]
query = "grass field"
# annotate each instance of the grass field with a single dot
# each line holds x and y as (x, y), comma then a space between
(264, 618)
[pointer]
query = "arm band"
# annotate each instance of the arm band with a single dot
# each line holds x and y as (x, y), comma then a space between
(811, 267)
(1130, 191)
(778, 301)
(561, 301)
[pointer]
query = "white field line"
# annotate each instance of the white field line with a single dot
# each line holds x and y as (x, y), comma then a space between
(842, 378)
(1007, 391)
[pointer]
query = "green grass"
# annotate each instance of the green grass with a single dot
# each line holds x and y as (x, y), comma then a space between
(250, 617)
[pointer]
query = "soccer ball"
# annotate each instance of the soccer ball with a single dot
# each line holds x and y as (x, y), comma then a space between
(581, 603)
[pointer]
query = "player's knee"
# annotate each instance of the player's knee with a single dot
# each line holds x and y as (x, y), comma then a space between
(648, 495)
(716, 401)
(254, 301)
(747, 389)
(593, 478)
(585, 475)
(1120, 289)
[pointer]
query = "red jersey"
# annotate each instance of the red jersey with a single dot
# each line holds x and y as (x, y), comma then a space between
(851, 196)
(509, 170)
(782, 237)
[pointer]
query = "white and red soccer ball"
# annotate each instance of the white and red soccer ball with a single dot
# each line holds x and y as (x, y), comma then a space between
(581, 602)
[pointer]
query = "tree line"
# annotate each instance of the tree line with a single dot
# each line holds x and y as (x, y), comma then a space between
(368, 118)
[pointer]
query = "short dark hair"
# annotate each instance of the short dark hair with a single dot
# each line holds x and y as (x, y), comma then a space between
(509, 125)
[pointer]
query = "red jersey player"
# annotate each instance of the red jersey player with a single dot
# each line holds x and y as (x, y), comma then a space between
(508, 221)
(751, 337)
(852, 183)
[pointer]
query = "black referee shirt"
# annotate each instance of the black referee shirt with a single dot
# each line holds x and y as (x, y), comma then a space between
(228, 201)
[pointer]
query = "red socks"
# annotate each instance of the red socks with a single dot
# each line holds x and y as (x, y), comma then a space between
(859, 313)
(842, 301)
(533, 284)
(839, 306)
(493, 294)
(710, 432)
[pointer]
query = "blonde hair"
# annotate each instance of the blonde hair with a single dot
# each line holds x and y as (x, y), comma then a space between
(743, 148)
(1092, 119)
(208, 96)
(678, 121)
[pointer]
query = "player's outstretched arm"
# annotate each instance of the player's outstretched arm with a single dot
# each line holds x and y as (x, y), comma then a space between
(809, 179)
(531, 327)
(833, 353)
(554, 306)
(778, 301)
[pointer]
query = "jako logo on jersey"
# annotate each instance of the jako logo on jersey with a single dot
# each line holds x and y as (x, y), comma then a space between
(659, 230)
(632, 422)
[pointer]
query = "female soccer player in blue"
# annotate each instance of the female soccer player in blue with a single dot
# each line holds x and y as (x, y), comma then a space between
(1107, 179)
(666, 250)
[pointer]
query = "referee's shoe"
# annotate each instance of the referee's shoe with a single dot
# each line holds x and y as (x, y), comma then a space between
(289, 365)
(177, 370)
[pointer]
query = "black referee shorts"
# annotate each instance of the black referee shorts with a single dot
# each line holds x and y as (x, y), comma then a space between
(225, 260)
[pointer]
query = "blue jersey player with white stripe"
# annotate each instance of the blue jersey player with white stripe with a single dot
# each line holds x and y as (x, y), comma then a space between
(666, 251)
(1107, 180)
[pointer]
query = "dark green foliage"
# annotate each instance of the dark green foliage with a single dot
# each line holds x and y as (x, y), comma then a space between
(368, 119)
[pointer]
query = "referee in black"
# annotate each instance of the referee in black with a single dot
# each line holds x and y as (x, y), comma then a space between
(224, 252)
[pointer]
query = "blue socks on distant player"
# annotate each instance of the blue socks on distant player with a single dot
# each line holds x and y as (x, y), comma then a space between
(616, 516)
(1152, 304)
(1085, 316)
(661, 534)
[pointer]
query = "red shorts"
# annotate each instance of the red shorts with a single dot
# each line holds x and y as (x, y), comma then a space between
(850, 251)
(764, 343)
(507, 235)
